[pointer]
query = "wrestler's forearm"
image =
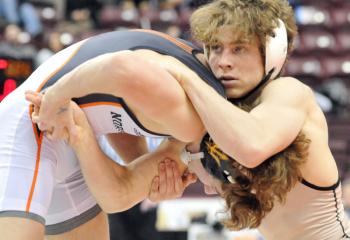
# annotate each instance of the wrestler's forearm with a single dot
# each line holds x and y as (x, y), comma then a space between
(234, 130)
(107, 180)
(117, 188)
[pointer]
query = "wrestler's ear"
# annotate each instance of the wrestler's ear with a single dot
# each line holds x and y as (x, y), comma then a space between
(276, 50)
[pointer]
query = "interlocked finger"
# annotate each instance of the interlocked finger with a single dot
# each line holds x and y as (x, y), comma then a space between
(169, 177)
(177, 179)
(162, 178)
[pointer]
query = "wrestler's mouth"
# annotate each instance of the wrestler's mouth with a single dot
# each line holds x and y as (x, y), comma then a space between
(228, 81)
(227, 78)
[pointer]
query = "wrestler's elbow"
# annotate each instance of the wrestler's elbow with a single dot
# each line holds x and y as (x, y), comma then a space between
(193, 134)
(252, 157)
(188, 127)
(117, 194)
(108, 208)
(115, 206)
(116, 203)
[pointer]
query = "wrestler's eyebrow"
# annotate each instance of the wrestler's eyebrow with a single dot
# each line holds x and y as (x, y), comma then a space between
(241, 42)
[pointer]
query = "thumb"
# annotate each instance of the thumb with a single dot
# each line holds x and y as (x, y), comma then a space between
(155, 184)
(33, 97)
(72, 125)
(189, 179)
(78, 117)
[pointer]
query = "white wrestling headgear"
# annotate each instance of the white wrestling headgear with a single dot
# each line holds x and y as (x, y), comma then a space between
(276, 50)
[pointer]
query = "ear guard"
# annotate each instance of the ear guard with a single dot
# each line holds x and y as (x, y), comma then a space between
(276, 50)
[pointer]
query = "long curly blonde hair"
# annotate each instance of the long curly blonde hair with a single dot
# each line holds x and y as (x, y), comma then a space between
(256, 190)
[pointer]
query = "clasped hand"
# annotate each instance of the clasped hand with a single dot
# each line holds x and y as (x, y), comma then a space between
(169, 184)
(56, 120)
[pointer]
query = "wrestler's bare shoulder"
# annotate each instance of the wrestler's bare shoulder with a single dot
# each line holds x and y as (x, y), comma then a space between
(288, 88)
(300, 96)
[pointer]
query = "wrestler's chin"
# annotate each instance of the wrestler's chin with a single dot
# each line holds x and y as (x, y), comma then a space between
(233, 93)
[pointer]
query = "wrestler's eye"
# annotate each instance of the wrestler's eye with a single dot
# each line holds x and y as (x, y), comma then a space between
(215, 48)
(239, 49)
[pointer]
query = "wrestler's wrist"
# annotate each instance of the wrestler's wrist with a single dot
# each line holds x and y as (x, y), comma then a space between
(54, 98)
(62, 94)
(82, 141)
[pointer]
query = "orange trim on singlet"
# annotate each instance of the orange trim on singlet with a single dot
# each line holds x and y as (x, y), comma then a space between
(180, 44)
(84, 105)
(34, 126)
(36, 171)
(35, 129)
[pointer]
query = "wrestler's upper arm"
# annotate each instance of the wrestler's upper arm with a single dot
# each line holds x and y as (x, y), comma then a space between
(282, 112)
